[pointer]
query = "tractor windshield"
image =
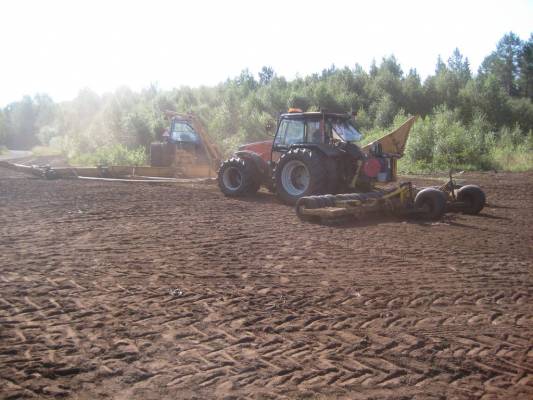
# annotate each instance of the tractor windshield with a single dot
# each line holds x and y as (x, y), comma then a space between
(346, 131)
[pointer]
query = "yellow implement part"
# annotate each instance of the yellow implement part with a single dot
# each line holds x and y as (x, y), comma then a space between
(394, 142)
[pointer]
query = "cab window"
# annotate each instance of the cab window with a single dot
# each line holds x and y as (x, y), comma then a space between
(182, 132)
(346, 131)
(290, 132)
(313, 132)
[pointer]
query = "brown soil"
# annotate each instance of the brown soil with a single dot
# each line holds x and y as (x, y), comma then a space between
(149, 291)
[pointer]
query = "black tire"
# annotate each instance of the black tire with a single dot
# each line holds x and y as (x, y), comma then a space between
(473, 197)
(237, 177)
(433, 201)
(289, 175)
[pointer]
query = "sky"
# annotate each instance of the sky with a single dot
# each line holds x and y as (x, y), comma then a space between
(61, 46)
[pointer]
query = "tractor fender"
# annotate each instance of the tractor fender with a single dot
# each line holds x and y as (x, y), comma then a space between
(260, 164)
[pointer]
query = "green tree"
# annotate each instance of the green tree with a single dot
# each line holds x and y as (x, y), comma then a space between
(385, 110)
(265, 75)
(459, 66)
(412, 99)
(21, 124)
(504, 63)
(525, 77)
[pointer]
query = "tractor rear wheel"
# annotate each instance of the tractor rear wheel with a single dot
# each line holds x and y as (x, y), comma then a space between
(473, 198)
(238, 177)
(300, 172)
(432, 201)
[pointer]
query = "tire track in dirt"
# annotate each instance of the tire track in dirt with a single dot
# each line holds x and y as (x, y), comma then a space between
(113, 290)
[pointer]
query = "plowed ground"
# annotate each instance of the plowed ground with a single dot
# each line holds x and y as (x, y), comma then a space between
(145, 291)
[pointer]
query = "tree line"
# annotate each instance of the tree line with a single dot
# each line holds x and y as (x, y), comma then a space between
(479, 120)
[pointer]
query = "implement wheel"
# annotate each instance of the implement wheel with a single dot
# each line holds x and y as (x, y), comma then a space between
(432, 202)
(473, 198)
(300, 172)
(238, 177)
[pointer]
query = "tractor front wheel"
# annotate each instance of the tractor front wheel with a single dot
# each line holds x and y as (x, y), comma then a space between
(238, 177)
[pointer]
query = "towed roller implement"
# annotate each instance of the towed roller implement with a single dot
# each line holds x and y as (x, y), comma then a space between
(404, 200)
(314, 208)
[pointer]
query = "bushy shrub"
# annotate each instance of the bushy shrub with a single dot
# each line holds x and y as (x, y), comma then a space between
(440, 142)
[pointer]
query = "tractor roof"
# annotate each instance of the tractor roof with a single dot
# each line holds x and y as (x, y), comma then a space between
(313, 114)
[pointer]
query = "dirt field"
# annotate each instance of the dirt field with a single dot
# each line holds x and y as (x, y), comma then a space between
(144, 291)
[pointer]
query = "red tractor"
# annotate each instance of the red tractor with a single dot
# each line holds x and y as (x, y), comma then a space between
(312, 153)
(315, 162)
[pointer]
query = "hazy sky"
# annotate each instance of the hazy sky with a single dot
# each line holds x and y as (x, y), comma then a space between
(59, 47)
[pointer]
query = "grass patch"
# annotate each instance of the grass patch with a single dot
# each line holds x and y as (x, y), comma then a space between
(515, 158)
(3, 149)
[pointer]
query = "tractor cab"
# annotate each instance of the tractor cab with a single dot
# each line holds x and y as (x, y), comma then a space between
(297, 127)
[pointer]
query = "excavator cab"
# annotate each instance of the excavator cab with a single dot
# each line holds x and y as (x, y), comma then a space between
(183, 134)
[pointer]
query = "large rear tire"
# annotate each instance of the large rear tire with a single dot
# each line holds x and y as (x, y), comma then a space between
(238, 177)
(432, 201)
(473, 198)
(300, 172)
